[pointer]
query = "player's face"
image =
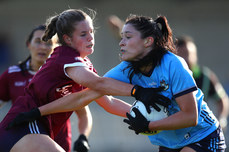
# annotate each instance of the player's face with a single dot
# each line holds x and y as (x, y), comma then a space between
(39, 49)
(132, 45)
(83, 38)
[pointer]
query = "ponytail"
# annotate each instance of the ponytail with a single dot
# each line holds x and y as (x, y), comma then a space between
(51, 28)
(166, 39)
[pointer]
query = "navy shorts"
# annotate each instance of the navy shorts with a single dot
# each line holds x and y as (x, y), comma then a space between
(10, 137)
(215, 142)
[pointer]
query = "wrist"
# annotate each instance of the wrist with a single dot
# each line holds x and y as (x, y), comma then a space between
(134, 90)
(82, 137)
(36, 112)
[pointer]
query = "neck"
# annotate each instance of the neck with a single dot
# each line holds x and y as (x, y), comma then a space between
(34, 66)
(147, 70)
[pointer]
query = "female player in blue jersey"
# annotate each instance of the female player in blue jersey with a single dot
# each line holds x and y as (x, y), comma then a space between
(147, 51)
(148, 61)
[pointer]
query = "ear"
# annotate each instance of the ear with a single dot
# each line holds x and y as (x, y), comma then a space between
(67, 39)
(148, 41)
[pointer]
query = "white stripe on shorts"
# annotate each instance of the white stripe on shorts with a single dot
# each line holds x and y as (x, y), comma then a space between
(33, 127)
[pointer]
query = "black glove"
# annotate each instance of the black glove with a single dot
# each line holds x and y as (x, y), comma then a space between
(150, 96)
(81, 144)
(24, 117)
(139, 123)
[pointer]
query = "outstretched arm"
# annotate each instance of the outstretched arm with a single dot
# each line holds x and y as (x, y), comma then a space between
(113, 105)
(104, 85)
(72, 102)
(78, 100)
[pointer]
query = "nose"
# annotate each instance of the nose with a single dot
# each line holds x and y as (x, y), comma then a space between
(90, 37)
(44, 46)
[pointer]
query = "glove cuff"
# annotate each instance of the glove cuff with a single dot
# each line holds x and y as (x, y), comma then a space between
(36, 112)
(134, 90)
(82, 137)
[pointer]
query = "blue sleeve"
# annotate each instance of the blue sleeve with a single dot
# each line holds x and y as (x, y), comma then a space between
(181, 78)
(119, 73)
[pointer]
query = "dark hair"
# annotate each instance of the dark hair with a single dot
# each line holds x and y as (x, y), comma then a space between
(183, 40)
(22, 65)
(163, 41)
(64, 24)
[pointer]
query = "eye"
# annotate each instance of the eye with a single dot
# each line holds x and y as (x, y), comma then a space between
(128, 37)
(38, 41)
(83, 33)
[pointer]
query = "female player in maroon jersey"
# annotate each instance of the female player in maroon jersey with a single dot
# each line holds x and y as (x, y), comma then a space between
(67, 70)
(17, 77)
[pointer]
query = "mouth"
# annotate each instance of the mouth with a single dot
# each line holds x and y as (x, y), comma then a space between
(122, 51)
(89, 46)
(42, 54)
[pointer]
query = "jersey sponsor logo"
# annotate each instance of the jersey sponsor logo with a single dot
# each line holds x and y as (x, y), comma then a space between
(20, 83)
(64, 90)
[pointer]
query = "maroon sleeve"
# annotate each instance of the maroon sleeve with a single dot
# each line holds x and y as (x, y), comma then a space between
(4, 86)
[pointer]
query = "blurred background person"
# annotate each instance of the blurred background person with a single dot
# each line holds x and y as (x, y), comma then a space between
(115, 24)
(206, 79)
(17, 77)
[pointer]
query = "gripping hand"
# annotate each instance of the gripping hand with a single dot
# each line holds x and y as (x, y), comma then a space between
(81, 144)
(150, 97)
(139, 123)
(25, 117)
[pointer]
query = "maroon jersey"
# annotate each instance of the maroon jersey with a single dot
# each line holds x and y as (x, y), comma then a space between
(50, 83)
(13, 82)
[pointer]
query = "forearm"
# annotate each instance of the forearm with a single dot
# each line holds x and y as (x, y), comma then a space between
(176, 121)
(109, 86)
(85, 122)
(104, 85)
(70, 102)
(114, 106)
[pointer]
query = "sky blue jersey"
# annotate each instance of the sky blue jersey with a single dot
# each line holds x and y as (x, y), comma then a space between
(174, 74)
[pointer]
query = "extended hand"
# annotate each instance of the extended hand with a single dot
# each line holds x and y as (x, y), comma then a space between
(150, 97)
(139, 123)
(25, 117)
(81, 144)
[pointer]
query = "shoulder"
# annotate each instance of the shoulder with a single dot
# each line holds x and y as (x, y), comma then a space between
(171, 60)
(120, 70)
(64, 55)
(14, 68)
(123, 65)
